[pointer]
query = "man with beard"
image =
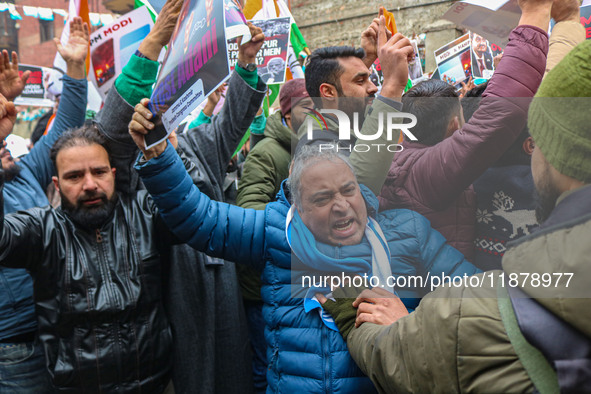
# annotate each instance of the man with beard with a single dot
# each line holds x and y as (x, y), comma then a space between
(528, 331)
(95, 261)
(22, 364)
(338, 78)
(97, 273)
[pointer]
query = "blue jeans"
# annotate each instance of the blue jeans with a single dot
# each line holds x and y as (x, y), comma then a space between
(22, 369)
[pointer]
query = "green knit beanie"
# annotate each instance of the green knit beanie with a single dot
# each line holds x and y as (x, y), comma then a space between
(560, 115)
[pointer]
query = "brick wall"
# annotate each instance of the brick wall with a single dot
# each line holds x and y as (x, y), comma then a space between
(325, 23)
(31, 49)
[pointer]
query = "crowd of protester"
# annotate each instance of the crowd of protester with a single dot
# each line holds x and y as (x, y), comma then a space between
(189, 268)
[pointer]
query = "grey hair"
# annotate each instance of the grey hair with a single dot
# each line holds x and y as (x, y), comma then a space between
(307, 156)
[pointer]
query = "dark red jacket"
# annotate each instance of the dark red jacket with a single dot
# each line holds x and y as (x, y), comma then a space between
(436, 181)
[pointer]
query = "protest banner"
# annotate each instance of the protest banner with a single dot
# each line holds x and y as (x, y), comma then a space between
(235, 21)
(195, 64)
(586, 20)
(35, 91)
(111, 47)
(272, 57)
(415, 68)
(454, 61)
(481, 57)
(492, 19)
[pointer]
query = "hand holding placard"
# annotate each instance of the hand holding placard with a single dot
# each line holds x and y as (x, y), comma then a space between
(161, 33)
(247, 53)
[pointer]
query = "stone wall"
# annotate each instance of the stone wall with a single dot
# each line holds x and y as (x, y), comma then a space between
(325, 23)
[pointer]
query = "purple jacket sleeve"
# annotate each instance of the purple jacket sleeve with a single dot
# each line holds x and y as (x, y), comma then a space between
(440, 175)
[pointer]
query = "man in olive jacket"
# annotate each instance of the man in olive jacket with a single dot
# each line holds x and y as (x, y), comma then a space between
(522, 330)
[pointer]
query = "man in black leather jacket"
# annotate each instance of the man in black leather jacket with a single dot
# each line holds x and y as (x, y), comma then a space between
(97, 271)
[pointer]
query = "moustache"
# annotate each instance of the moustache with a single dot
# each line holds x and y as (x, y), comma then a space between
(92, 196)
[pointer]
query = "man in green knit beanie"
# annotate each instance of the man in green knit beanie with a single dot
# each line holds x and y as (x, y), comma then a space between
(559, 124)
(520, 330)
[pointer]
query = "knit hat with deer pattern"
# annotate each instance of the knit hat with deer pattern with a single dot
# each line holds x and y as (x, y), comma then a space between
(560, 115)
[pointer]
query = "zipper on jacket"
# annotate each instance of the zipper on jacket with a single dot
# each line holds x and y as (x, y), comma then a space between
(99, 237)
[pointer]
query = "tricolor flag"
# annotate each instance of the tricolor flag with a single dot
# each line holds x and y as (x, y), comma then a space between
(77, 8)
(266, 9)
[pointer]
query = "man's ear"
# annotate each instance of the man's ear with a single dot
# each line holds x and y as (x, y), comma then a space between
(528, 146)
(452, 126)
(56, 183)
(114, 170)
(328, 91)
(287, 118)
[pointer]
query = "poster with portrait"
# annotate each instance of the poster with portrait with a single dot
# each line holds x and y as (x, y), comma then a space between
(415, 69)
(112, 46)
(454, 61)
(35, 91)
(272, 57)
(195, 64)
(481, 57)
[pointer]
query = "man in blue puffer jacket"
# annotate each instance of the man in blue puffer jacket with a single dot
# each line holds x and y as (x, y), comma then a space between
(332, 228)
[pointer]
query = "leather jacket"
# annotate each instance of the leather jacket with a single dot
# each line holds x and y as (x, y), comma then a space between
(98, 294)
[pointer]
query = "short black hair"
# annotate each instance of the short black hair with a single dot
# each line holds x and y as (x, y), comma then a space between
(86, 135)
(471, 100)
(323, 66)
(514, 155)
(434, 103)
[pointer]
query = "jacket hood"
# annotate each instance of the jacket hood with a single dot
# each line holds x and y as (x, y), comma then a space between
(560, 246)
(276, 130)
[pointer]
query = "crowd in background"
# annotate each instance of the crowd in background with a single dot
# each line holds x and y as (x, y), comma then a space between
(181, 268)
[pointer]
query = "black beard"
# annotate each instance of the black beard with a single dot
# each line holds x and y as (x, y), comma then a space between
(545, 196)
(11, 172)
(89, 217)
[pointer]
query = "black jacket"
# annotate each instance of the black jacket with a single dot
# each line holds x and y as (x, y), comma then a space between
(98, 293)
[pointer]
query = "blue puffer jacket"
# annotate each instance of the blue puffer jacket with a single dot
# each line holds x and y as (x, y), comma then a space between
(27, 190)
(304, 355)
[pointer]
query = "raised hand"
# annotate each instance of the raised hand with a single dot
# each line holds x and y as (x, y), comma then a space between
(162, 31)
(213, 99)
(565, 10)
(141, 125)
(466, 87)
(535, 13)
(11, 84)
(75, 51)
(394, 53)
(369, 40)
(247, 53)
(7, 117)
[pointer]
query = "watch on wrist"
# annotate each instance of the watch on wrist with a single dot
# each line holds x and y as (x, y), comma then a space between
(247, 66)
